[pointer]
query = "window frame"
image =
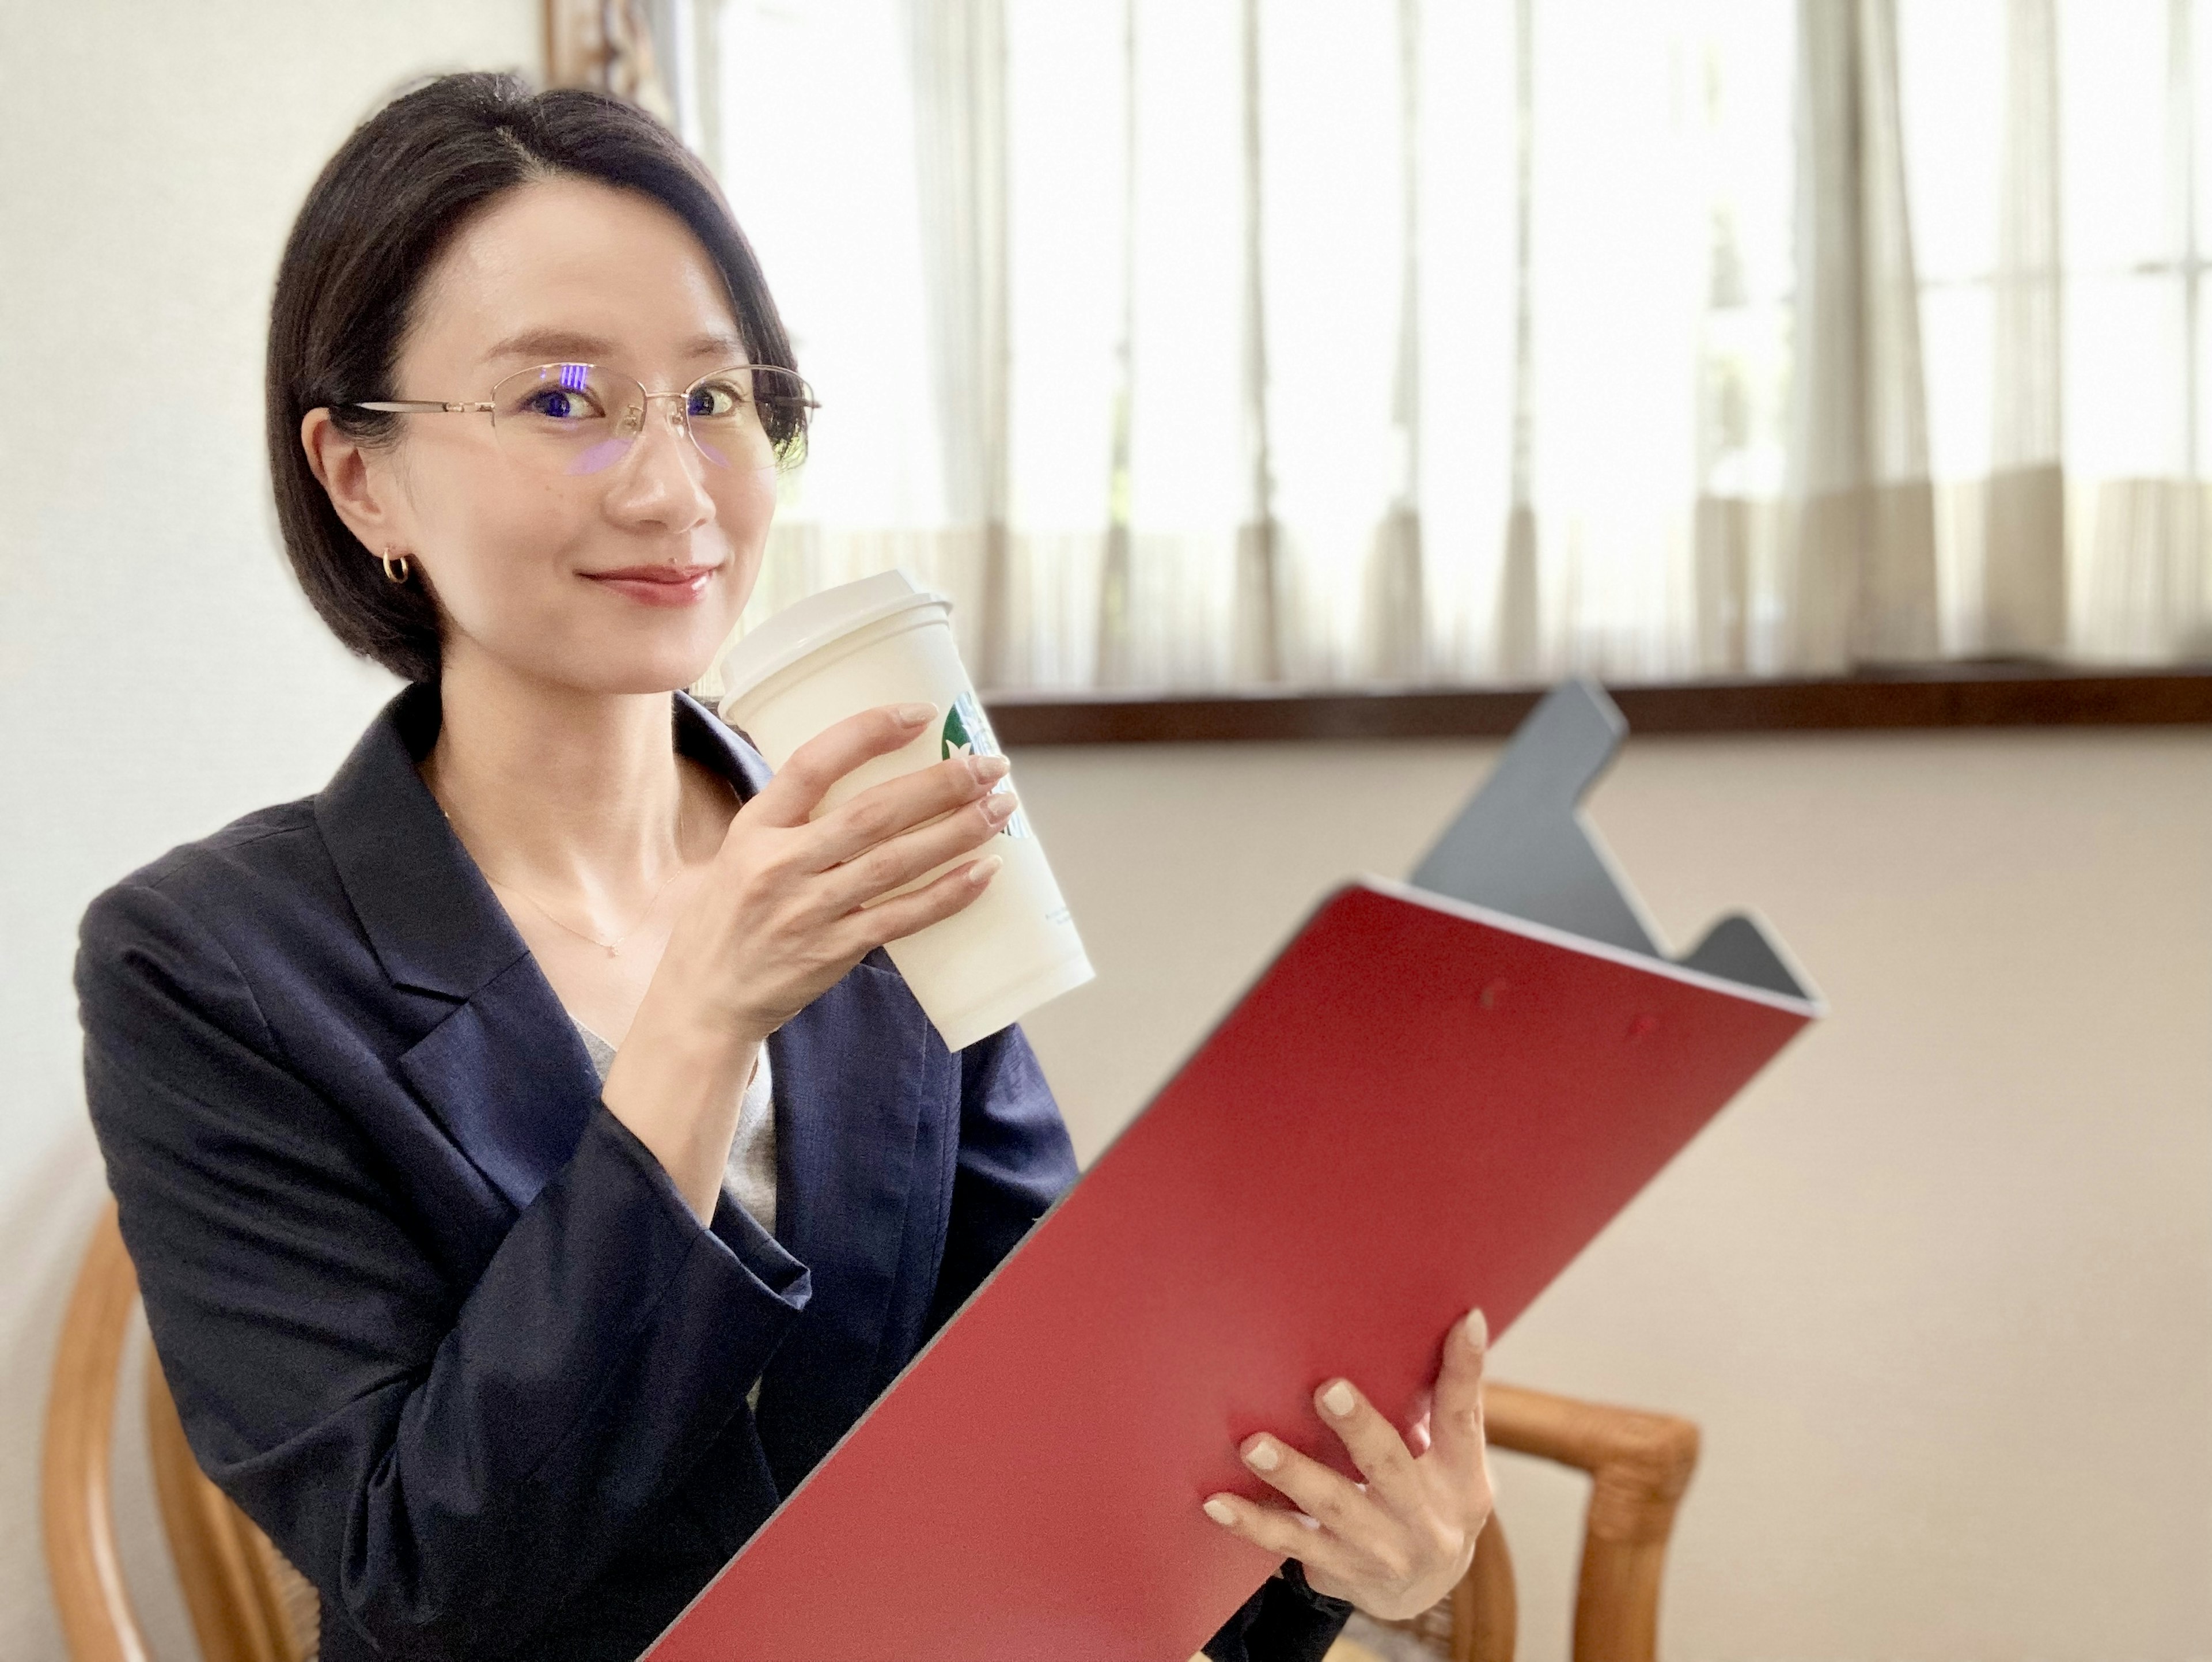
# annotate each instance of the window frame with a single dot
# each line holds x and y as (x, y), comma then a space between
(1950, 696)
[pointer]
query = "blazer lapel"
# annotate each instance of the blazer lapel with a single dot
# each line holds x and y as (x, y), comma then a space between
(499, 1066)
(507, 1076)
(862, 1175)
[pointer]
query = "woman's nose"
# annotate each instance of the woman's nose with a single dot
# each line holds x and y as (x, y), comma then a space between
(662, 478)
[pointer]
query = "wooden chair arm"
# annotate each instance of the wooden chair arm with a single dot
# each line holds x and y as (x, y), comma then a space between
(1639, 1463)
(1639, 1466)
(98, 1622)
(247, 1604)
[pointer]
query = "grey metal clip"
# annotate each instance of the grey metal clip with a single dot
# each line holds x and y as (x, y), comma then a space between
(1520, 846)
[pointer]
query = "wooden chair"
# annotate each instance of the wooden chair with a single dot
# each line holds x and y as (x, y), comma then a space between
(247, 1604)
(1639, 1464)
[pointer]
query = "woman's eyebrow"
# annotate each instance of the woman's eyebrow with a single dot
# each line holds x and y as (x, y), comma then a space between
(727, 348)
(567, 345)
(548, 346)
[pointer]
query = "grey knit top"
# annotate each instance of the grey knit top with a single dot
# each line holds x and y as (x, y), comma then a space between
(749, 1177)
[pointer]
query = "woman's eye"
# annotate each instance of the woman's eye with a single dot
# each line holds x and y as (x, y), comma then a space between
(715, 399)
(559, 404)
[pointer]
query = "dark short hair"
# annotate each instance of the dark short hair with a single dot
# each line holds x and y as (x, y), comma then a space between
(371, 228)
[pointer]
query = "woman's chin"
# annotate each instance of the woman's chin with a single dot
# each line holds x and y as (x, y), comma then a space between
(597, 671)
(668, 674)
(655, 659)
(589, 656)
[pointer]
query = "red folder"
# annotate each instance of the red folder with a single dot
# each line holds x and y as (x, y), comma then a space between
(1421, 1106)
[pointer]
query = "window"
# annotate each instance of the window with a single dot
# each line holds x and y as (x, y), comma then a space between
(1213, 343)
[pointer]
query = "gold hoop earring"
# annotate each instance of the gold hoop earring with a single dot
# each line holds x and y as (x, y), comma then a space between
(405, 569)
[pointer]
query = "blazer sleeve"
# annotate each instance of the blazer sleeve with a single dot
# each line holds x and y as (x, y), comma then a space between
(1286, 1621)
(445, 1462)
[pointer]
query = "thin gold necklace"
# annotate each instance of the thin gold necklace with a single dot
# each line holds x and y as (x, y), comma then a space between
(613, 947)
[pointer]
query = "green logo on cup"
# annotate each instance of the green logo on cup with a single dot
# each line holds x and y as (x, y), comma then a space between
(967, 733)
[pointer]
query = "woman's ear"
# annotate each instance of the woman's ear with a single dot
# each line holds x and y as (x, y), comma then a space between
(360, 486)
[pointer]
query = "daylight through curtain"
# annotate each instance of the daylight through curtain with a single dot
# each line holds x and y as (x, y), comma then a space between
(1206, 343)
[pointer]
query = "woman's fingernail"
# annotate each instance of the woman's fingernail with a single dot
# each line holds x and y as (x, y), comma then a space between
(914, 716)
(1220, 1511)
(1477, 1329)
(999, 807)
(1263, 1455)
(984, 870)
(989, 769)
(1338, 1398)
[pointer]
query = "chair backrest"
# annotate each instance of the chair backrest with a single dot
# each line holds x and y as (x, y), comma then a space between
(247, 1604)
(1639, 1466)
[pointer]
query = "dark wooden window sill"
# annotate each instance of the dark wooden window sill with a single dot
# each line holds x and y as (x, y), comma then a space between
(1945, 695)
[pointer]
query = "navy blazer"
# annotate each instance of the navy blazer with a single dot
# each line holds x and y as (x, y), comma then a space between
(432, 1316)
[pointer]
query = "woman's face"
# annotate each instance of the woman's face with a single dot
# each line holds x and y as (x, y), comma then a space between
(521, 556)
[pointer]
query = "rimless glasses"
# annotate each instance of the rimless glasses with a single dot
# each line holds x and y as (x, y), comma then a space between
(585, 417)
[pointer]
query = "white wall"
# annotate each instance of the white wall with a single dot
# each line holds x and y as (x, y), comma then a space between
(158, 673)
(1938, 1288)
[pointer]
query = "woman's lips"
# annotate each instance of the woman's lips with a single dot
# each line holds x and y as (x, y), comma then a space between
(658, 585)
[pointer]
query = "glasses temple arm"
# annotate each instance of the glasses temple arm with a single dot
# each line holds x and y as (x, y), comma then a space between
(417, 407)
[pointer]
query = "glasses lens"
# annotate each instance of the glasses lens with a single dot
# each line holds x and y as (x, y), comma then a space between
(568, 417)
(750, 416)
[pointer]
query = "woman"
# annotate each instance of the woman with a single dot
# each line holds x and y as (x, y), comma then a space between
(532, 1163)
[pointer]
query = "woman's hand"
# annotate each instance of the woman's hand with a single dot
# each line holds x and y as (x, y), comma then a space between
(781, 913)
(787, 908)
(1396, 1543)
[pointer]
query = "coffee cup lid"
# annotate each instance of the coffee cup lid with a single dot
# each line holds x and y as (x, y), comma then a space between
(781, 641)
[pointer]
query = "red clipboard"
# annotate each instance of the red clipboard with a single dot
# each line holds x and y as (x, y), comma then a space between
(1422, 1105)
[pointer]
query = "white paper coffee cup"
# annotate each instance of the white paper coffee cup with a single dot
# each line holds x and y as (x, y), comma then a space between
(881, 641)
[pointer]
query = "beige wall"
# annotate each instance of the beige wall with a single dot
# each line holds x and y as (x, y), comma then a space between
(154, 152)
(1938, 1286)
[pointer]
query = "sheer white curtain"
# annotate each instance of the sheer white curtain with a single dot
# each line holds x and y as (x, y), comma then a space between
(1203, 343)
(2059, 178)
(1653, 362)
(807, 113)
